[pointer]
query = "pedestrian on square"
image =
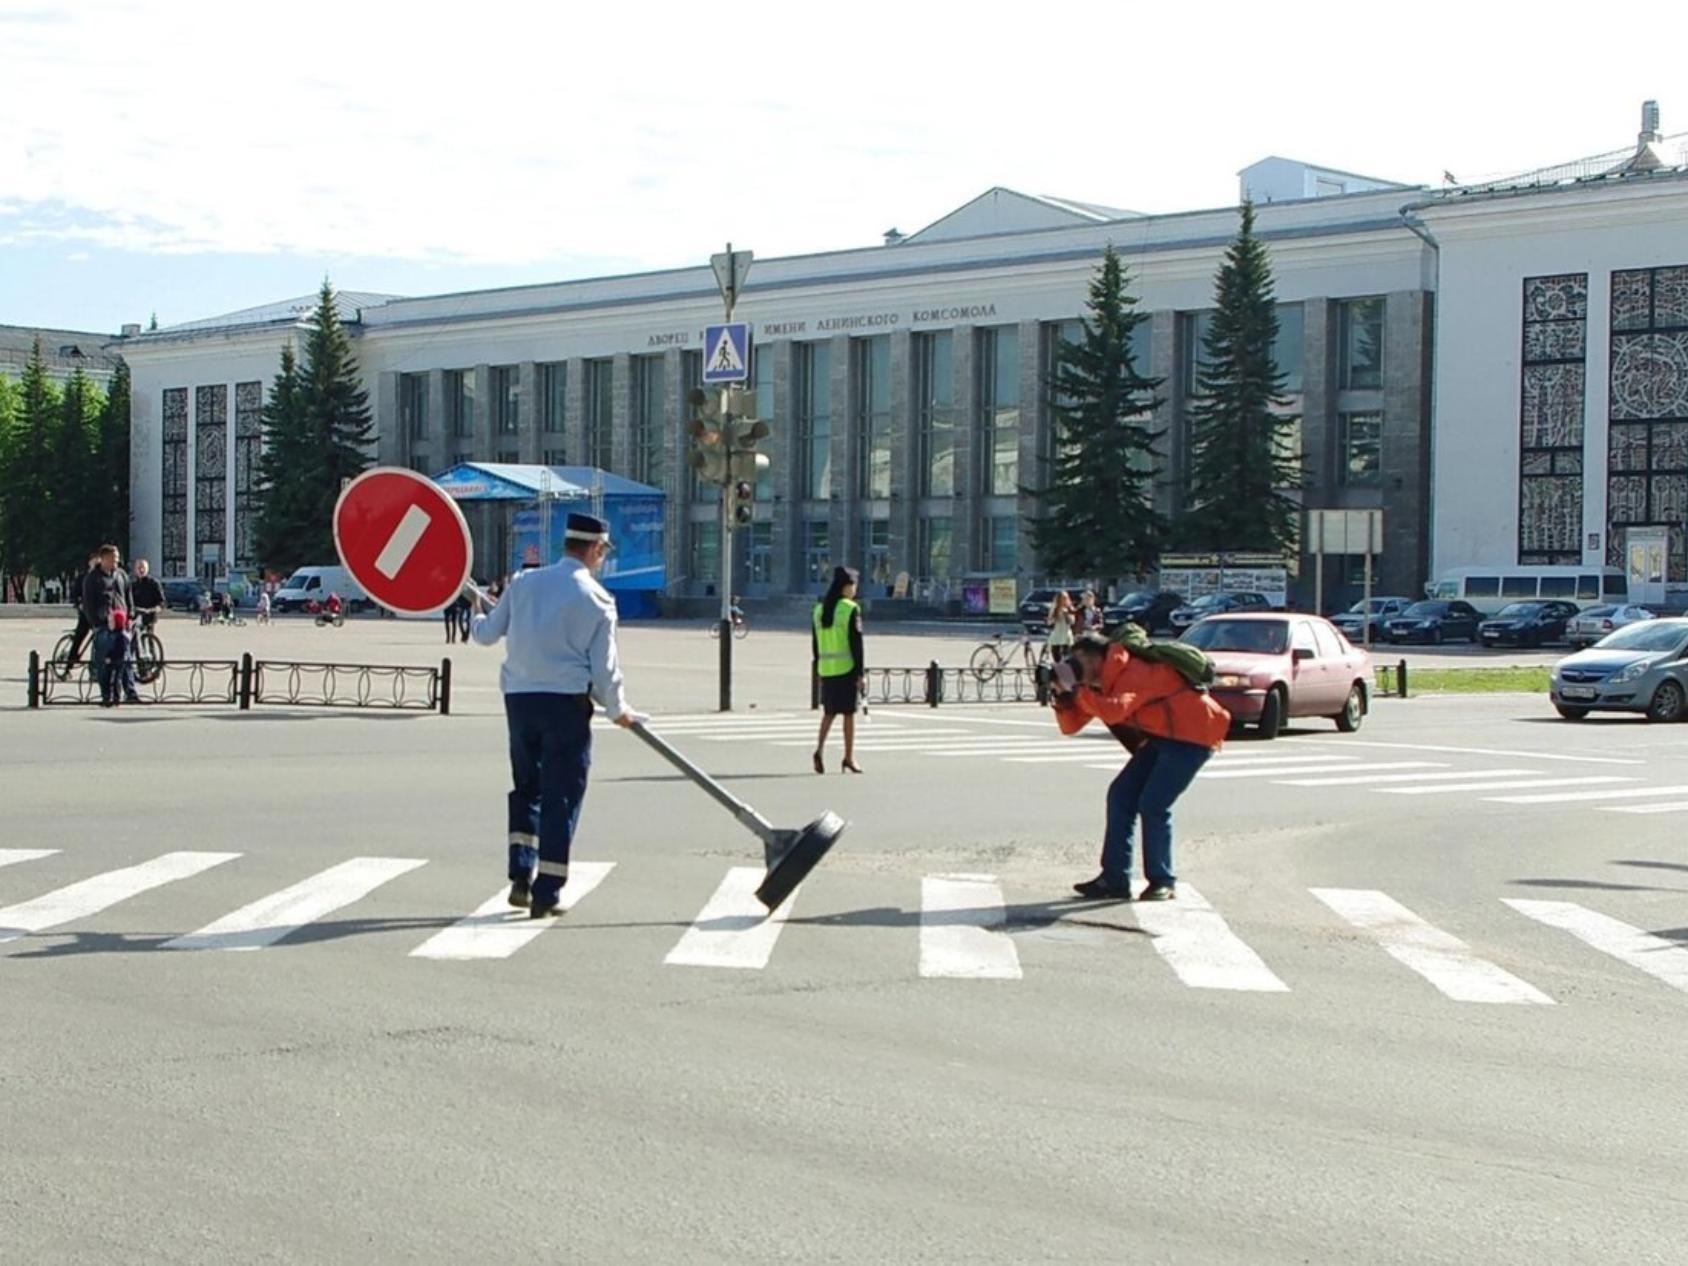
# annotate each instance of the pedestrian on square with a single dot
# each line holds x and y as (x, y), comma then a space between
(1170, 727)
(105, 590)
(559, 623)
(837, 657)
(148, 595)
(119, 663)
(1060, 640)
(1089, 614)
(453, 620)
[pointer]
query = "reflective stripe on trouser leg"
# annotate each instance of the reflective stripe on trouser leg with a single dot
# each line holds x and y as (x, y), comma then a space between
(556, 870)
(522, 812)
(565, 758)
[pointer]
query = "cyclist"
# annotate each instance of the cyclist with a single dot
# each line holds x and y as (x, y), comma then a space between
(84, 628)
(148, 595)
(736, 611)
(263, 606)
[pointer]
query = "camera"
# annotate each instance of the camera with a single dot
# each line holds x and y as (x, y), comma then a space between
(1066, 677)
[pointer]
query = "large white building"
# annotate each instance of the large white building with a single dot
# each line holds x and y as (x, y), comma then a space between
(1501, 369)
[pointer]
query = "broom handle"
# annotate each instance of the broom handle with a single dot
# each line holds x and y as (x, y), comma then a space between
(726, 799)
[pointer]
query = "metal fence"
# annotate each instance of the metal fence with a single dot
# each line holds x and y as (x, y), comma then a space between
(936, 685)
(249, 682)
(1391, 680)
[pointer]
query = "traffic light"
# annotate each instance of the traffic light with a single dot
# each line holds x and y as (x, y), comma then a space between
(744, 501)
(709, 449)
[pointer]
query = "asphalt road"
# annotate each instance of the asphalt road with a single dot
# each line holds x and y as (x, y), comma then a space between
(1342, 1044)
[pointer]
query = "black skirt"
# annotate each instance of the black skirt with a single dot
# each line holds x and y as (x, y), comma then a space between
(839, 694)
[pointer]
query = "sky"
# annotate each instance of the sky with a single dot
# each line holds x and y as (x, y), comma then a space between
(184, 159)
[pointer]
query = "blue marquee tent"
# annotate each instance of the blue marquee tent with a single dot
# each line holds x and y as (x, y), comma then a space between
(541, 498)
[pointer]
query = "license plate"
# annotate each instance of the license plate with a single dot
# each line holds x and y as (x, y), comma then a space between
(1577, 692)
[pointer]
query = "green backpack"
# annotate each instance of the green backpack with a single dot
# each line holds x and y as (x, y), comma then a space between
(1190, 662)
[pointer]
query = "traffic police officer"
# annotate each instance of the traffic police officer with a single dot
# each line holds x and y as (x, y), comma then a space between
(560, 624)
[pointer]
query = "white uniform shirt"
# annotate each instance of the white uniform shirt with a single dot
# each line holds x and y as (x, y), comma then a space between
(560, 625)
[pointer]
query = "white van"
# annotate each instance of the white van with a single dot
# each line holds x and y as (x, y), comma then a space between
(314, 584)
(1491, 588)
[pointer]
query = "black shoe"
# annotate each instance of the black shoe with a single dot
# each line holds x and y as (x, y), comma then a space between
(521, 894)
(131, 698)
(547, 909)
(1158, 892)
(1099, 889)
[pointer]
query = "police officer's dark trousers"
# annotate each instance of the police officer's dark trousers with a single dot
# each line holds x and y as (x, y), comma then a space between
(550, 755)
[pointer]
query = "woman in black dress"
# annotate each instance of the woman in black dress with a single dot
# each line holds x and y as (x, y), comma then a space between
(836, 643)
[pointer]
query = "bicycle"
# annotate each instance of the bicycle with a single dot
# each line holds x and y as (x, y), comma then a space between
(992, 657)
(741, 627)
(149, 656)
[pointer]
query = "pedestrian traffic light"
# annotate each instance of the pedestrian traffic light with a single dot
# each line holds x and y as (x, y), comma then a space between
(709, 449)
(744, 500)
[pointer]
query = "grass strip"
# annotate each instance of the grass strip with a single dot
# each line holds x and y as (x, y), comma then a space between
(1479, 681)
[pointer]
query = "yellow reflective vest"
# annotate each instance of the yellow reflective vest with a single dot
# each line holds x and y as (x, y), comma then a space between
(834, 642)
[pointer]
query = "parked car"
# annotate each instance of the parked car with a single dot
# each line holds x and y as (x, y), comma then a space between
(1434, 621)
(182, 595)
(1150, 611)
(1528, 623)
(1637, 669)
(1216, 604)
(1353, 621)
(1035, 606)
(1270, 667)
(1592, 625)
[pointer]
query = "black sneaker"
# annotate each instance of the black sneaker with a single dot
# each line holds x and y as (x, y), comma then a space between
(1158, 892)
(521, 894)
(1099, 889)
(547, 909)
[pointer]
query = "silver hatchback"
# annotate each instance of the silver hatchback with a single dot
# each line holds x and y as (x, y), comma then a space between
(1640, 668)
(1596, 623)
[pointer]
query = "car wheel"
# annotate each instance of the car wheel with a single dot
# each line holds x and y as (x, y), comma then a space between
(1667, 704)
(1436, 636)
(1570, 713)
(1353, 711)
(1272, 714)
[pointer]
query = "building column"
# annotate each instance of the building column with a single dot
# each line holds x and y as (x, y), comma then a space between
(845, 529)
(230, 495)
(676, 468)
(1406, 442)
(905, 500)
(485, 442)
(1034, 445)
(439, 429)
(527, 420)
(1168, 419)
(391, 442)
(621, 413)
(146, 477)
(789, 510)
(574, 412)
(965, 505)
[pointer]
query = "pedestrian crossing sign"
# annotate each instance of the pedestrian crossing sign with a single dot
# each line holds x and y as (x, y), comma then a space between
(726, 350)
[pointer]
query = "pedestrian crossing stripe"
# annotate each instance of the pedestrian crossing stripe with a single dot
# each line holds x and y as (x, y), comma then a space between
(964, 929)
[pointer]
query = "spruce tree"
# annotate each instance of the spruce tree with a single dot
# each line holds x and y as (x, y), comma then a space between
(27, 529)
(1242, 456)
(336, 405)
(111, 459)
(8, 430)
(76, 505)
(1097, 515)
(283, 529)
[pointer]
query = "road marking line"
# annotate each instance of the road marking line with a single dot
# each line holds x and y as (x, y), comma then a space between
(961, 917)
(497, 930)
(12, 856)
(1320, 767)
(734, 929)
(400, 545)
(1514, 784)
(1441, 958)
(1660, 958)
(280, 914)
(90, 896)
(1443, 773)
(1227, 762)
(938, 736)
(1567, 797)
(1197, 943)
(1673, 806)
(1478, 751)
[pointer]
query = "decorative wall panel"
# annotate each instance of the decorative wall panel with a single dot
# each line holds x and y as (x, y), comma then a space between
(174, 545)
(1647, 478)
(248, 436)
(210, 471)
(1550, 428)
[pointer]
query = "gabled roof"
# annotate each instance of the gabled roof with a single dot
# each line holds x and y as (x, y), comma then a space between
(503, 481)
(63, 351)
(287, 312)
(1000, 210)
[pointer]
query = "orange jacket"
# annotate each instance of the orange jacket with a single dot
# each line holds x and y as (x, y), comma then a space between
(1153, 698)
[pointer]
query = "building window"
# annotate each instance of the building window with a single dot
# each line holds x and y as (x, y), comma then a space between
(762, 370)
(509, 456)
(872, 368)
(552, 382)
(600, 412)
(876, 551)
(1360, 347)
(934, 548)
(555, 457)
(650, 425)
(210, 473)
(421, 465)
(175, 492)
(691, 377)
(1195, 327)
(706, 551)
(413, 405)
(1361, 438)
(506, 400)
(817, 551)
(1647, 413)
(999, 411)
(1001, 537)
(248, 444)
(814, 419)
(460, 402)
(935, 412)
(761, 553)
(1287, 346)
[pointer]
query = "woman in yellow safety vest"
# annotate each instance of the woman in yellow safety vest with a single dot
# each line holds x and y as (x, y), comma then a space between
(838, 661)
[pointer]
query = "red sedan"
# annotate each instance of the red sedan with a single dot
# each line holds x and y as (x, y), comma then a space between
(1270, 667)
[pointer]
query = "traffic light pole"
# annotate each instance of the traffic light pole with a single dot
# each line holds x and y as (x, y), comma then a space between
(728, 294)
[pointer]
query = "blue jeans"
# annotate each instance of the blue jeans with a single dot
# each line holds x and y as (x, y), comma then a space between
(1147, 787)
(550, 756)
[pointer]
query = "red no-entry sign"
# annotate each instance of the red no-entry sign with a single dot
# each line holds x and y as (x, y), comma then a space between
(403, 539)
